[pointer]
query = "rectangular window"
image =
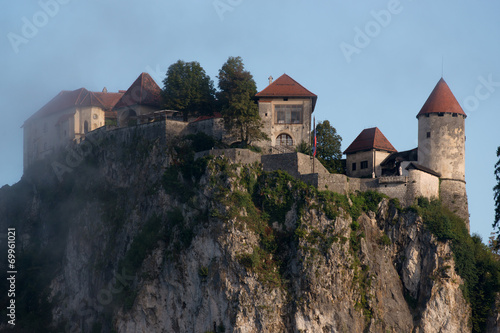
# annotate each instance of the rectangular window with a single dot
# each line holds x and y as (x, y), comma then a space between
(364, 164)
(428, 134)
(288, 114)
(454, 115)
(354, 167)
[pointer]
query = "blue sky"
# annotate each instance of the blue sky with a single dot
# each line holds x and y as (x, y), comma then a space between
(371, 63)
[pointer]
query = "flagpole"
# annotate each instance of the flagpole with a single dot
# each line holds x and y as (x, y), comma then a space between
(314, 154)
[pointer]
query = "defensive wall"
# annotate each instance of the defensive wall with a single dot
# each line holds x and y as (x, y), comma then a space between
(405, 188)
(235, 155)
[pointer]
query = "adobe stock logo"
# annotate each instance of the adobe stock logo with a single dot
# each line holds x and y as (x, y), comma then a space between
(483, 91)
(363, 37)
(222, 6)
(30, 27)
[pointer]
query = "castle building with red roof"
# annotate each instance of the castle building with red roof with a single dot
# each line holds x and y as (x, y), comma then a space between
(436, 168)
(366, 153)
(70, 115)
(285, 108)
(66, 118)
(143, 97)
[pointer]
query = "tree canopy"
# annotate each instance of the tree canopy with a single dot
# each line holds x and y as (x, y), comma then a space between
(328, 147)
(189, 89)
(236, 97)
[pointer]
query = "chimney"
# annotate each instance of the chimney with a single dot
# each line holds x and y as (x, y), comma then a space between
(270, 79)
(104, 90)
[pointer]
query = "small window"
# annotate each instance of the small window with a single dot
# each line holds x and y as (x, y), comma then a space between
(428, 134)
(455, 115)
(354, 167)
(364, 164)
(427, 115)
(285, 99)
(440, 114)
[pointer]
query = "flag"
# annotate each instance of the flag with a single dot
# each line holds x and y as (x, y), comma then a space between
(315, 140)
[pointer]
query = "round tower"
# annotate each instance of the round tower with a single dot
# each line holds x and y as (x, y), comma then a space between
(441, 145)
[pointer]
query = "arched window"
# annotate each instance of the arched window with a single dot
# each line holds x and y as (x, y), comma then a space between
(85, 127)
(284, 140)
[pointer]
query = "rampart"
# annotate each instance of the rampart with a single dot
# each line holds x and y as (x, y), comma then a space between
(163, 131)
(405, 188)
(295, 164)
(235, 155)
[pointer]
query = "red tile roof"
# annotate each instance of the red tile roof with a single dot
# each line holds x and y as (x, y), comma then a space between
(215, 115)
(76, 98)
(285, 86)
(370, 138)
(441, 100)
(144, 91)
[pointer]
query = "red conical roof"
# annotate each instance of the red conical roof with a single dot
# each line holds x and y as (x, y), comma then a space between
(144, 91)
(370, 138)
(441, 100)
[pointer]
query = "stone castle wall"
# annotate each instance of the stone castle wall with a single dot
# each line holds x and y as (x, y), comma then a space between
(453, 195)
(163, 131)
(295, 164)
(235, 155)
(213, 127)
(404, 188)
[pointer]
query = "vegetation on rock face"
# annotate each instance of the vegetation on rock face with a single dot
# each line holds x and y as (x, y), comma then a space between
(275, 210)
(474, 261)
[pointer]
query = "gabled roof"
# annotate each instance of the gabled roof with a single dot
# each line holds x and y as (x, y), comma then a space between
(214, 116)
(441, 100)
(144, 91)
(414, 165)
(370, 138)
(77, 98)
(407, 155)
(285, 86)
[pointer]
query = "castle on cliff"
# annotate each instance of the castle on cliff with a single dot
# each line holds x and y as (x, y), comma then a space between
(434, 169)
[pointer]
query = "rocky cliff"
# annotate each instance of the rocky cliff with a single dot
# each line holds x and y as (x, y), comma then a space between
(137, 237)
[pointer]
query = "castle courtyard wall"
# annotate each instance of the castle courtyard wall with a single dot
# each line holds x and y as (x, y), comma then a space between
(164, 131)
(235, 155)
(295, 164)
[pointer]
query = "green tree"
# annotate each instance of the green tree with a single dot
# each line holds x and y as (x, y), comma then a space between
(237, 103)
(189, 89)
(496, 191)
(328, 147)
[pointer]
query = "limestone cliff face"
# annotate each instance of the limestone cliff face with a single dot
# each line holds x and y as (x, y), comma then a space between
(224, 248)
